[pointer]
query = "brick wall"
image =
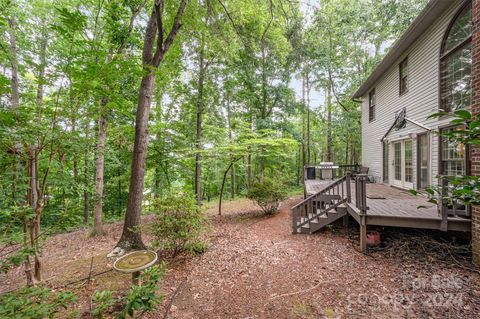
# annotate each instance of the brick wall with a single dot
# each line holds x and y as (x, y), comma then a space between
(475, 152)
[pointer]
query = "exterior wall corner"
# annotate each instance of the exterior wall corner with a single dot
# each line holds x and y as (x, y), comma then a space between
(475, 152)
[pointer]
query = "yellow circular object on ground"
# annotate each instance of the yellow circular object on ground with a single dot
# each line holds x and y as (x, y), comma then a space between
(135, 261)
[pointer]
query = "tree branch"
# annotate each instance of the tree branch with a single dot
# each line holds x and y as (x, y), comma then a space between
(163, 47)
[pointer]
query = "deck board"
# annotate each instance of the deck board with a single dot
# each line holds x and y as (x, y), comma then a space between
(313, 186)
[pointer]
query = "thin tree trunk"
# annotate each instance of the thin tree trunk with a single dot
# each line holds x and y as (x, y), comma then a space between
(232, 182)
(86, 204)
(198, 137)
(307, 87)
(33, 150)
(27, 263)
(230, 138)
(15, 97)
(304, 151)
(99, 173)
(329, 125)
(249, 172)
(346, 152)
(223, 184)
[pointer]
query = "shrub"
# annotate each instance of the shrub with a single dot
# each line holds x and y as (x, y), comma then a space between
(268, 194)
(34, 302)
(178, 224)
(139, 298)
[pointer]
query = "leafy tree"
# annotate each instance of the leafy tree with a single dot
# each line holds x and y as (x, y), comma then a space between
(268, 194)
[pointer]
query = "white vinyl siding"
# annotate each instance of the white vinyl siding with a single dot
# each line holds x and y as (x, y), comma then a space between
(420, 101)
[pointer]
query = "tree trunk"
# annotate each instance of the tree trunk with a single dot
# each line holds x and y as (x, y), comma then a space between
(15, 97)
(35, 205)
(249, 172)
(198, 138)
(232, 182)
(329, 124)
(131, 237)
(230, 138)
(223, 184)
(99, 172)
(307, 87)
(86, 204)
(304, 151)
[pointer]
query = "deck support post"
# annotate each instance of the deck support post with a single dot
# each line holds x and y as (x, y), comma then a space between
(363, 234)
(346, 220)
(443, 209)
(361, 203)
(294, 221)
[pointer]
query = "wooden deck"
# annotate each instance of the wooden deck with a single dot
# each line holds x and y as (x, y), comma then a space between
(389, 206)
(313, 186)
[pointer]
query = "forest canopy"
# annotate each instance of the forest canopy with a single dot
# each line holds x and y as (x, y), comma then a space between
(106, 106)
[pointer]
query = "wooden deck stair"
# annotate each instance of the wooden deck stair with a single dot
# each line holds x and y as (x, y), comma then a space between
(322, 208)
(315, 222)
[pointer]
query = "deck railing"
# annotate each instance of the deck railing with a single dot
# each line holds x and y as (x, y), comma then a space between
(361, 192)
(344, 169)
(320, 203)
(339, 170)
(330, 197)
(448, 207)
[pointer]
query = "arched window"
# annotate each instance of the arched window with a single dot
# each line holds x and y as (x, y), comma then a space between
(456, 62)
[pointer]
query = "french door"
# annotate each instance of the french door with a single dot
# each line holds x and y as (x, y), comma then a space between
(403, 163)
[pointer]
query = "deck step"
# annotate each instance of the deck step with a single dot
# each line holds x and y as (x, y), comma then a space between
(317, 222)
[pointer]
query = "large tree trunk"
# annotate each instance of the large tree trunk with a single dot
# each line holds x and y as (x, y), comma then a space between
(99, 172)
(131, 237)
(198, 137)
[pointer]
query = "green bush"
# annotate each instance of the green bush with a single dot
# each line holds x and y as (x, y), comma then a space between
(34, 302)
(178, 225)
(268, 194)
(138, 299)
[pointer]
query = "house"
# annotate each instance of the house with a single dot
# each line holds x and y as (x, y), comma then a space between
(433, 66)
(427, 70)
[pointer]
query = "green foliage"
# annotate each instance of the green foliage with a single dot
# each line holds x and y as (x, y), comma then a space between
(179, 223)
(102, 301)
(15, 259)
(461, 189)
(34, 303)
(137, 300)
(268, 194)
(143, 297)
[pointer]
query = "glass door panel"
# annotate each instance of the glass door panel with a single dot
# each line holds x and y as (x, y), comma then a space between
(397, 164)
(423, 161)
(408, 164)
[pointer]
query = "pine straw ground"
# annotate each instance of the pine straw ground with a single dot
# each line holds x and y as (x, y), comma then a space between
(255, 268)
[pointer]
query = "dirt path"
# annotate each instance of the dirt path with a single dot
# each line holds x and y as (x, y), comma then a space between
(255, 268)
